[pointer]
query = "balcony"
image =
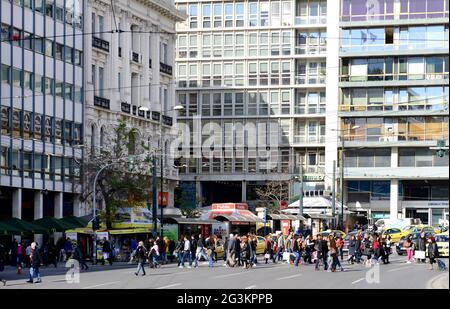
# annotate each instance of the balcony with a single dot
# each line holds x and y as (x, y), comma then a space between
(100, 44)
(101, 102)
(301, 139)
(126, 107)
(439, 77)
(311, 50)
(141, 113)
(310, 80)
(165, 68)
(168, 121)
(310, 20)
(136, 57)
(156, 116)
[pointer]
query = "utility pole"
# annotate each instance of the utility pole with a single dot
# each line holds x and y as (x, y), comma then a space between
(333, 200)
(155, 197)
(300, 207)
(162, 188)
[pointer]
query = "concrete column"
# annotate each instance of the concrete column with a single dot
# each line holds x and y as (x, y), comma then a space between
(77, 212)
(394, 199)
(244, 191)
(17, 203)
(126, 50)
(198, 191)
(332, 91)
(58, 204)
(38, 212)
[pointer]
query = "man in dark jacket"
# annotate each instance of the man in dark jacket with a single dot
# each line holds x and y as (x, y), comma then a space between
(238, 250)
(35, 262)
(106, 252)
(422, 245)
(78, 256)
(231, 251)
(321, 247)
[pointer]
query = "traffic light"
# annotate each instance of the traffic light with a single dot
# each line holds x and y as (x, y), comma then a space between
(96, 223)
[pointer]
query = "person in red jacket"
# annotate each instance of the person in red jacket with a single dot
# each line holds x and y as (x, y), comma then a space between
(340, 247)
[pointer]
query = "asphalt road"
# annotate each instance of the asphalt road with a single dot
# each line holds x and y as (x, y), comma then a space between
(396, 275)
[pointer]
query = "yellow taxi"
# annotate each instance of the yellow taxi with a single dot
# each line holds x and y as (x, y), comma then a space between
(335, 232)
(409, 229)
(260, 247)
(442, 243)
(395, 233)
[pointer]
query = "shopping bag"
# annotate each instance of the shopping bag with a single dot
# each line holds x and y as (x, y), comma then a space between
(286, 256)
(420, 255)
(267, 256)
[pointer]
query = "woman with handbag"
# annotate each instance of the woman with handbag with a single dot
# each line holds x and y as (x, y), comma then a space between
(332, 248)
(268, 249)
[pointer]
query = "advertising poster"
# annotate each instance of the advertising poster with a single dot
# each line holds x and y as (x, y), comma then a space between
(221, 230)
(171, 231)
(99, 249)
(285, 226)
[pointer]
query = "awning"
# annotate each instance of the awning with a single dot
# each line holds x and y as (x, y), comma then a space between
(239, 218)
(76, 222)
(25, 227)
(130, 231)
(283, 217)
(53, 224)
(193, 221)
(6, 229)
(81, 230)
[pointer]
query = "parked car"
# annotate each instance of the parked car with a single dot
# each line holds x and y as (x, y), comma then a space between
(396, 234)
(442, 243)
(336, 233)
(401, 250)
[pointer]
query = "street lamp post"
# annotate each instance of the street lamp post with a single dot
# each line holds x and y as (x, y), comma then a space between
(341, 189)
(160, 200)
(94, 208)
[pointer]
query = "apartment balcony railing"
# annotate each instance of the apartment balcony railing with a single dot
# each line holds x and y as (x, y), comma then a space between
(425, 105)
(165, 68)
(403, 46)
(300, 139)
(156, 116)
(394, 77)
(304, 110)
(310, 80)
(398, 137)
(100, 44)
(391, 16)
(136, 57)
(125, 107)
(310, 20)
(141, 113)
(310, 49)
(166, 120)
(101, 102)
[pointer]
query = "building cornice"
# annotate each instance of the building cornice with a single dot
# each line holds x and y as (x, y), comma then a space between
(166, 9)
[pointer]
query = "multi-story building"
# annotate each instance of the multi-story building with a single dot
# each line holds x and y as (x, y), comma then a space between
(371, 76)
(393, 106)
(41, 107)
(129, 59)
(256, 72)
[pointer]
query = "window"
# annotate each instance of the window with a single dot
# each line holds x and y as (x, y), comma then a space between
(239, 15)
(59, 49)
(193, 16)
(206, 15)
(68, 54)
(229, 17)
(6, 74)
(253, 14)
(217, 15)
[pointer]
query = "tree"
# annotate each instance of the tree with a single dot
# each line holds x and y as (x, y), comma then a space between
(126, 183)
(273, 193)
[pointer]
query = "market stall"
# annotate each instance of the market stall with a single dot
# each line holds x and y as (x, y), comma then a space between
(232, 218)
(282, 222)
(187, 226)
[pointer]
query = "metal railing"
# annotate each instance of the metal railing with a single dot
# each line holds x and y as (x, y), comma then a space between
(165, 68)
(101, 102)
(100, 44)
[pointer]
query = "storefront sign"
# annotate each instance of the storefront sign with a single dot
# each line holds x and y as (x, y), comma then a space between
(229, 206)
(313, 177)
(165, 199)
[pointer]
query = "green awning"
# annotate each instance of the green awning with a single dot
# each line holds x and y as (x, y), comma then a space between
(26, 227)
(6, 229)
(75, 222)
(53, 224)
